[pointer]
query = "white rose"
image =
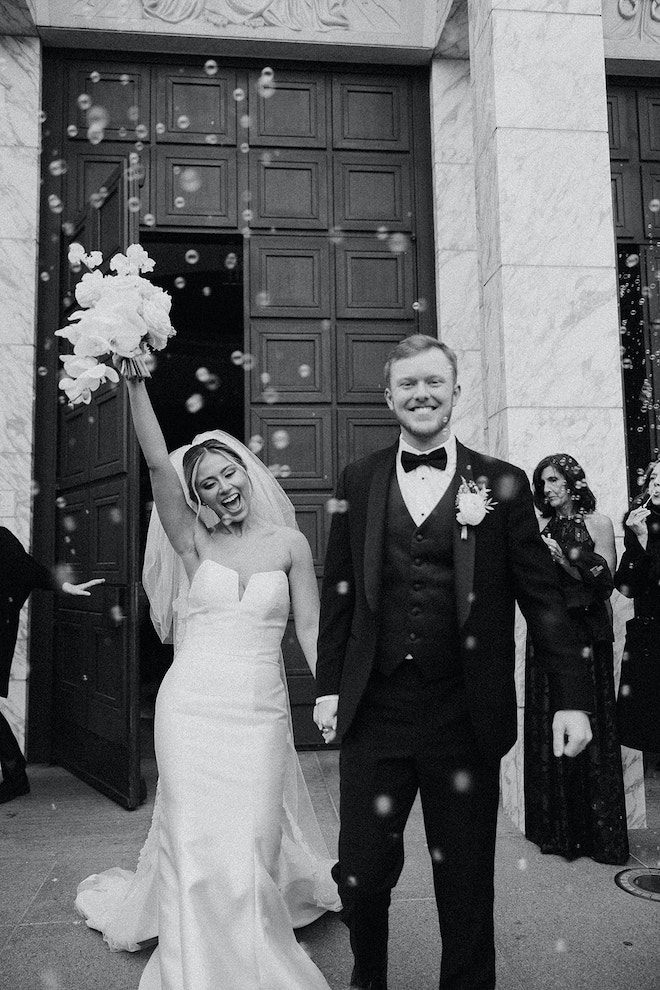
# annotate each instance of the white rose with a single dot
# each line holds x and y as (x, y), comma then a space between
(471, 509)
(158, 323)
(75, 365)
(138, 259)
(80, 389)
(90, 289)
(76, 253)
(93, 259)
(119, 263)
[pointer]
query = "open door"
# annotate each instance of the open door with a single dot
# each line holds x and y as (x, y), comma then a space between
(96, 666)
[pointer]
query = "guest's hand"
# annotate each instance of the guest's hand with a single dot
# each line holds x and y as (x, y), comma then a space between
(571, 732)
(325, 716)
(636, 521)
(556, 551)
(81, 589)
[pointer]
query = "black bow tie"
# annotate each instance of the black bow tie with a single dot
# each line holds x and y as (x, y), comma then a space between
(437, 459)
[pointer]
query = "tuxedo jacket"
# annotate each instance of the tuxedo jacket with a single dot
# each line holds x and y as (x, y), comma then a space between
(500, 560)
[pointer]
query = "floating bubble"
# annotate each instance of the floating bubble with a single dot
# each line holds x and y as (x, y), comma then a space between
(149, 219)
(179, 202)
(60, 502)
(97, 116)
(55, 204)
(462, 782)
(654, 206)
(256, 443)
(160, 127)
(382, 233)
(122, 132)
(231, 261)
(437, 854)
(213, 383)
(420, 306)
(249, 362)
(285, 471)
(180, 282)
(336, 235)
(211, 138)
(280, 439)
(42, 116)
(133, 204)
(336, 506)
(95, 76)
(262, 299)
(210, 67)
(84, 101)
(265, 88)
(264, 377)
(238, 94)
(247, 215)
(245, 147)
(190, 180)
(246, 232)
(244, 121)
(383, 805)
(270, 395)
(58, 167)
(142, 132)
(342, 587)
(192, 256)
(202, 374)
(398, 243)
(560, 945)
(117, 614)
(304, 371)
(470, 642)
(267, 73)
(115, 515)
(151, 361)
(522, 864)
(632, 260)
(206, 290)
(69, 523)
(182, 122)
(44, 276)
(236, 357)
(194, 402)
(124, 79)
(72, 130)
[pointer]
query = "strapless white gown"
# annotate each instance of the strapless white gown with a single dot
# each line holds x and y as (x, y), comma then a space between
(227, 870)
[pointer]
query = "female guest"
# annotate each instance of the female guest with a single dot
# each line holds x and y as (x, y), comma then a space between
(233, 859)
(638, 577)
(576, 807)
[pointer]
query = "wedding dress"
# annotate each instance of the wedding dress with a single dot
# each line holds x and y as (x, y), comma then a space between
(226, 871)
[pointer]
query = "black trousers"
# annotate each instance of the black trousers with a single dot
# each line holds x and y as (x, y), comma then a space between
(412, 736)
(12, 760)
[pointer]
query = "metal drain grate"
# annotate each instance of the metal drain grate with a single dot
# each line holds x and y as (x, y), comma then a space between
(643, 882)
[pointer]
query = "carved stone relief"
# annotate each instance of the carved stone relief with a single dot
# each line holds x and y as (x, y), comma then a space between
(628, 19)
(292, 15)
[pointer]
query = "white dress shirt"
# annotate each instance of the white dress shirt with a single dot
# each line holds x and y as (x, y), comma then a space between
(423, 487)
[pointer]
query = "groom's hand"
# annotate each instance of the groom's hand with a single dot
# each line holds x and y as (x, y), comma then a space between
(325, 716)
(571, 732)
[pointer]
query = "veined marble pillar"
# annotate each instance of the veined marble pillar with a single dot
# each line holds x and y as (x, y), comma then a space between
(456, 263)
(20, 101)
(549, 315)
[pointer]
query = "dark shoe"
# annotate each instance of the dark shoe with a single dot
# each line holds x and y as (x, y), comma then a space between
(10, 789)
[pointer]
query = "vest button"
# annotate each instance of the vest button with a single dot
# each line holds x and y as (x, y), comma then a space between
(419, 537)
(412, 637)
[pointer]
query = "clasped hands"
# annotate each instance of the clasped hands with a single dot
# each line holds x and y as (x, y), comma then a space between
(571, 732)
(325, 717)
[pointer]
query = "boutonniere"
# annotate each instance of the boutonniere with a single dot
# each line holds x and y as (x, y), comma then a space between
(472, 502)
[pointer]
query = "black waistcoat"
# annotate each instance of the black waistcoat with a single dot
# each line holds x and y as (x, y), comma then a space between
(418, 618)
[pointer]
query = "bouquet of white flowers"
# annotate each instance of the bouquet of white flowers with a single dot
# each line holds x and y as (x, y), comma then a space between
(124, 316)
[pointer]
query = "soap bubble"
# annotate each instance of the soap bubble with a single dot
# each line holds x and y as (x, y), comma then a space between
(194, 402)
(262, 299)
(160, 127)
(654, 206)
(342, 587)
(95, 134)
(382, 233)
(95, 76)
(236, 358)
(245, 147)
(179, 202)
(285, 471)
(244, 121)
(72, 130)
(55, 204)
(84, 101)
(97, 116)
(192, 256)
(149, 219)
(267, 73)
(211, 138)
(632, 260)
(206, 290)
(190, 180)
(124, 79)
(180, 282)
(133, 204)
(270, 395)
(304, 371)
(231, 261)
(383, 805)
(183, 122)
(398, 243)
(58, 167)
(210, 67)
(249, 362)
(256, 443)
(280, 439)
(238, 95)
(60, 502)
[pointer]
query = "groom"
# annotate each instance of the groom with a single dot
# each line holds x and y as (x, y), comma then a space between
(416, 664)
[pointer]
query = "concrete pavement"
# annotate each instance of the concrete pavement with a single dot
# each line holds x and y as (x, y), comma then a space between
(559, 926)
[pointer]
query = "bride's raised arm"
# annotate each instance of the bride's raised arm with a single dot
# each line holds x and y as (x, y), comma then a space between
(177, 517)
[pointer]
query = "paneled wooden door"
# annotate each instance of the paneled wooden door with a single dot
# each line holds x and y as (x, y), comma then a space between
(96, 670)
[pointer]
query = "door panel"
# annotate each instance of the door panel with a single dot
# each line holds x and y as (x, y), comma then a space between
(296, 357)
(370, 113)
(294, 113)
(372, 190)
(290, 190)
(196, 187)
(194, 108)
(289, 279)
(117, 96)
(307, 435)
(362, 350)
(360, 432)
(373, 281)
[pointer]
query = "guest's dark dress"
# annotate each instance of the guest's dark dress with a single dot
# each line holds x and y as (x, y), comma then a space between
(638, 576)
(576, 807)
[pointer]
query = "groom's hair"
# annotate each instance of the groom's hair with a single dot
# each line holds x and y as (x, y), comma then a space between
(417, 343)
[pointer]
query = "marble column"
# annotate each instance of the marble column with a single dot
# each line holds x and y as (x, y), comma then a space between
(457, 277)
(549, 318)
(20, 100)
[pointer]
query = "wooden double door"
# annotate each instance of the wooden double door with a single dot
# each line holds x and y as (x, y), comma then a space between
(318, 183)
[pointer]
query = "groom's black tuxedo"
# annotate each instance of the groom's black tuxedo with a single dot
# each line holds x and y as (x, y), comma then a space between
(501, 560)
(417, 639)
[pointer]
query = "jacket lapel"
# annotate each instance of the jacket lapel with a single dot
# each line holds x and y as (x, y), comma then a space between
(464, 550)
(374, 541)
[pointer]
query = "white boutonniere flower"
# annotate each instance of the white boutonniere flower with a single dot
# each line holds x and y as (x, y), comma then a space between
(124, 316)
(472, 502)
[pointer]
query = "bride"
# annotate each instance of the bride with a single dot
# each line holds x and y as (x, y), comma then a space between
(234, 859)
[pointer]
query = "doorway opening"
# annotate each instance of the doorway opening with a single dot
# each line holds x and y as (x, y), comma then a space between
(196, 386)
